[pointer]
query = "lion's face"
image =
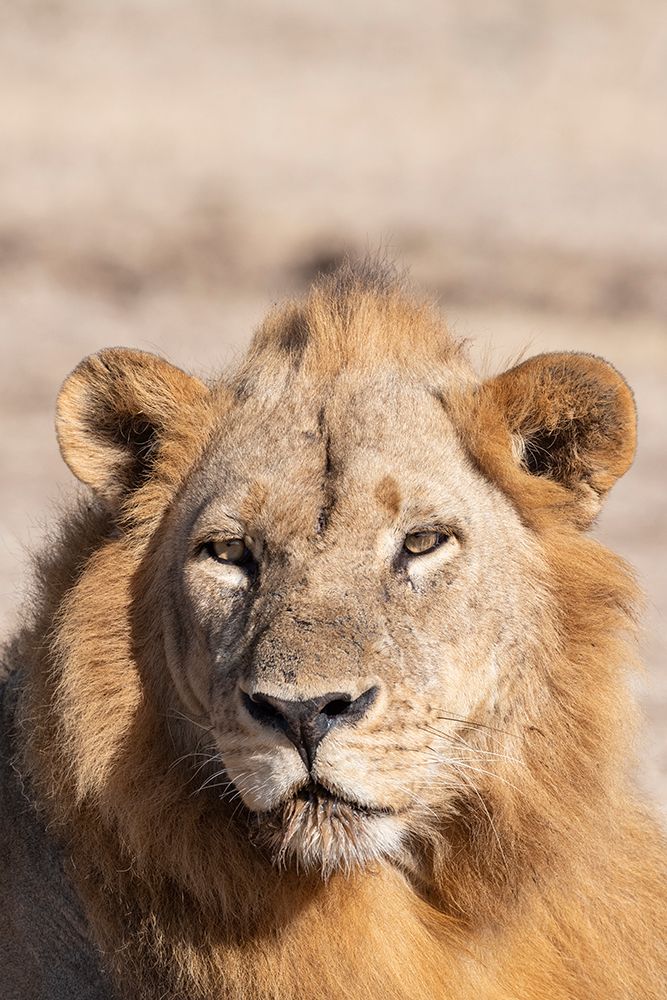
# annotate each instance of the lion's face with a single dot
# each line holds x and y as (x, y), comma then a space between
(345, 585)
(337, 662)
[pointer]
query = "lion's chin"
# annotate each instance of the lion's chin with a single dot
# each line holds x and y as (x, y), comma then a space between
(318, 831)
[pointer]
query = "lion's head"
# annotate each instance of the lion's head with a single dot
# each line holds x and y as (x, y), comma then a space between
(339, 591)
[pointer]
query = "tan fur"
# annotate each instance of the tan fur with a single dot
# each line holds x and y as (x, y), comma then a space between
(519, 863)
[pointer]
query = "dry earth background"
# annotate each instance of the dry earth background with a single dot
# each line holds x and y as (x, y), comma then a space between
(168, 168)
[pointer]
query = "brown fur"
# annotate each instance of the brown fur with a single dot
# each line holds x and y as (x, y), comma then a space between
(540, 877)
(389, 495)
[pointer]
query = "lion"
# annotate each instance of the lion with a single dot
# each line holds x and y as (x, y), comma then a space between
(325, 692)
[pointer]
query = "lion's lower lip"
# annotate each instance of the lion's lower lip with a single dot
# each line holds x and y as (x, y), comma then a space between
(319, 794)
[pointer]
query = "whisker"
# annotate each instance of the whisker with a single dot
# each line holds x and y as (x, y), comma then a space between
(185, 756)
(208, 781)
(460, 741)
(477, 725)
(478, 770)
(186, 718)
(239, 806)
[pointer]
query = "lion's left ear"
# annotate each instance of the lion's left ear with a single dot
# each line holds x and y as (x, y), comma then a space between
(573, 421)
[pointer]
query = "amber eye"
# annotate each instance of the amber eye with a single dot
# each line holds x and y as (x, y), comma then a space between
(229, 550)
(418, 543)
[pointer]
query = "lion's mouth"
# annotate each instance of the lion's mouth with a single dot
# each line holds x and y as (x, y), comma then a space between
(318, 828)
(318, 795)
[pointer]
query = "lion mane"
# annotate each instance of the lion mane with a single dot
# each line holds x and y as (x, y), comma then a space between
(544, 880)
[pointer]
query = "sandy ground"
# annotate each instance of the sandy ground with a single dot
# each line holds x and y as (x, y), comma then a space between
(167, 169)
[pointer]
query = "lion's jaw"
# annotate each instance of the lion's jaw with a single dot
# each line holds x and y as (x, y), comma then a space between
(316, 830)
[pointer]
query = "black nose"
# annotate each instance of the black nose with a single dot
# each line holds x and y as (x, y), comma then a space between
(305, 723)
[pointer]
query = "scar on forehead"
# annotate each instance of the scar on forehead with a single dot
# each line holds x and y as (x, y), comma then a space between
(253, 502)
(388, 495)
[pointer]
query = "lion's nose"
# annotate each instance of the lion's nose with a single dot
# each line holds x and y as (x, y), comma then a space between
(307, 722)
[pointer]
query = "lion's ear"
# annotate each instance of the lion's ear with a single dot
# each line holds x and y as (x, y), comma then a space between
(573, 421)
(113, 411)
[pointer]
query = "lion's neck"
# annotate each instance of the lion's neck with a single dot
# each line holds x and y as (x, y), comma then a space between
(366, 936)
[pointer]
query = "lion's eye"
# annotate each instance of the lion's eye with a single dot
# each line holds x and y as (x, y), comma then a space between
(229, 550)
(417, 543)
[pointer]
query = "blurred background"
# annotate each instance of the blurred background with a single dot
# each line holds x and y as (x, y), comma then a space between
(168, 168)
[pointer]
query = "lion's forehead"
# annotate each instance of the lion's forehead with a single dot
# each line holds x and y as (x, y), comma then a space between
(379, 443)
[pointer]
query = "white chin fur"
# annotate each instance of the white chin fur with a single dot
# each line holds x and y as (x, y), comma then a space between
(327, 836)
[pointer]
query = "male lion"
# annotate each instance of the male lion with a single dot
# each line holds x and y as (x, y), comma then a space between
(324, 694)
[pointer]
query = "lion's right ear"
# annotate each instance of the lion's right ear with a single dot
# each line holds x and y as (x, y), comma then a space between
(113, 412)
